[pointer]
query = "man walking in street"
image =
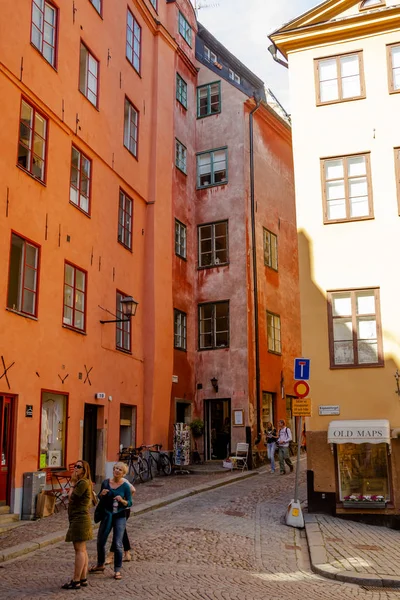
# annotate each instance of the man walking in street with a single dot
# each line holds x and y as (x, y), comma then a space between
(285, 436)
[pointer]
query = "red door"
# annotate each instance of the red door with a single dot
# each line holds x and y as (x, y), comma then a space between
(5, 446)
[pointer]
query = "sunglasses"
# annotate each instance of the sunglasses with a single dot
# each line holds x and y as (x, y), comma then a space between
(78, 466)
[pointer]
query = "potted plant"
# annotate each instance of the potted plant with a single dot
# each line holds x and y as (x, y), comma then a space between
(197, 429)
(361, 501)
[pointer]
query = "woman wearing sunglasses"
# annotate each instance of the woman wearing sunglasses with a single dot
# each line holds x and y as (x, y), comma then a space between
(80, 525)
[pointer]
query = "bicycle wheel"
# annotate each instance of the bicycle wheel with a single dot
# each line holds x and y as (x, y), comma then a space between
(131, 475)
(144, 471)
(165, 464)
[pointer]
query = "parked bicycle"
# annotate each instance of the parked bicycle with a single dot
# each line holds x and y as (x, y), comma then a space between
(158, 460)
(138, 466)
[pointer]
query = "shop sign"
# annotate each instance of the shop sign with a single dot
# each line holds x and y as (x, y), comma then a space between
(330, 409)
(359, 432)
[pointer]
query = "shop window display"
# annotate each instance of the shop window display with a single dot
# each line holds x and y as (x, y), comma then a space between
(363, 470)
(52, 435)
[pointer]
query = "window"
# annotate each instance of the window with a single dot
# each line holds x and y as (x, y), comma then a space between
(339, 78)
(209, 55)
(74, 297)
(274, 333)
(267, 409)
(354, 328)
(209, 99)
(363, 470)
(397, 164)
(123, 329)
(371, 4)
(23, 276)
(131, 124)
(270, 249)
(154, 4)
(180, 239)
(32, 141)
(393, 52)
(212, 168)
(181, 90)
(347, 188)
(184, 29)
(81, 171)
(234, 76)
(97, 5)
(214, 325)
(53, 429)
(133, 41)
(125, 213)
(44, 29)
(180, 156)
(213, 244)
(179, 329)
(88, 75)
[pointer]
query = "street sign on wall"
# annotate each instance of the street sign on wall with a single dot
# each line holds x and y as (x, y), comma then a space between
(302, 369)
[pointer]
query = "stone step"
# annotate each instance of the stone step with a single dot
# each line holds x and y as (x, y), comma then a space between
(8, 518)
(4, 509)
(9, 526)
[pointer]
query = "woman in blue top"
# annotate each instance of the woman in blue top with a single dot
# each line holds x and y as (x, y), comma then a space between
(114, 497)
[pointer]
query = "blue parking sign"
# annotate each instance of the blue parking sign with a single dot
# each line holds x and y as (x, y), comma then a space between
(302, 369)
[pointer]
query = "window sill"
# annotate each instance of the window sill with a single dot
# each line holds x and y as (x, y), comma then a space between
(274, 352)
(31, 174)
(181, 103)
(181, 170)
(209, 115)
(125, 246)
(74, 329)
(342, 101)
(377, 365)
(210, 185)
(201, 268)
(88, 215)
(133, 67)
(131, 153)
(180, 349)
(128, 352)
(216, 348)
(354, 219)
(21, 314)
(269, 267)
(95, 106)
(181, 257)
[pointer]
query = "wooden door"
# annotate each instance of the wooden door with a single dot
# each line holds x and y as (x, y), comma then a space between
(5, 446)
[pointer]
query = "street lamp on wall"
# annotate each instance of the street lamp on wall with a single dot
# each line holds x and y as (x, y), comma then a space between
(397, 378)
(129, 306)
(214, 383)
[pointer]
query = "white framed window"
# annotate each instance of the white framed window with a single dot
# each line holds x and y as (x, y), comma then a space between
(179, 329)
(89, 75)
(209, 55)
(97, 4)
(340, 78)
(53, 429)
(133, 41)
(80, 180)
(180, 239)
(131, 127)
(274, 333)
(180, 156)
(184, 29)
(32, 147)
(270, 249)
(44, 29)
(123, 328)
(234, 76)
(125, 217)
(23, 276)
(74, 297)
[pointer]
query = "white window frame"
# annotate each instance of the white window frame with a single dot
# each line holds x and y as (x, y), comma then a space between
(89, 68)
(180, 239)
(180, 319)
(44, 29)
(131, 127)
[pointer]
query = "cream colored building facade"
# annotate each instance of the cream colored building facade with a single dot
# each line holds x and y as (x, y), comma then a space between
(344, 64)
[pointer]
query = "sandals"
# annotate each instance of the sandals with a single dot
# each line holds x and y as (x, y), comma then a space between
(117, 575)
(96, 569)
(84, 582)
(72, 585)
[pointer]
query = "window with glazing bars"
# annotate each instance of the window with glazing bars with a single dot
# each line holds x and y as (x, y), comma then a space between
(212, 168)
(270, 249)
(355, 331)
(125, 213)
(184, 29)
(44, 29)
(180, 239)
(74, 297)
(181, 90)
(274, 333)
(179, 329)
(32, 141)
(214, 325)
(97, 5)
(23, 276)
(89, 75)
(133, 41)
(209, 99)
(180, 156)
(213, 244)
(393, 52)
(154, 4)
(123, 329)
(339, 78)
(131, 125)
(79, 190)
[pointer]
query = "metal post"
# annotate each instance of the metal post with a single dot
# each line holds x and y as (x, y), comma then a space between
(296, 486)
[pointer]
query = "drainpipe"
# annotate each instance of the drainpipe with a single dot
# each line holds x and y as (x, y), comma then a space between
(255, 298)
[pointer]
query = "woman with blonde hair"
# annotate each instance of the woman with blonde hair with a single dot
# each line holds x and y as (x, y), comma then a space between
(114, 498)
(80, 525)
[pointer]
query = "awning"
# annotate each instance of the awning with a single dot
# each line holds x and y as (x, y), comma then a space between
(359, 432)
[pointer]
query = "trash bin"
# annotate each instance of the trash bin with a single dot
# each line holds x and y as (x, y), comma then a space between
(33, 484)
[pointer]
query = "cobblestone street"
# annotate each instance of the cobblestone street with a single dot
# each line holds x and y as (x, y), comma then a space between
(224, 544)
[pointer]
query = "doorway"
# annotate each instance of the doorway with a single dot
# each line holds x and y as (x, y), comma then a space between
(217, 429)
(6, 442)
(90, 437)
(183, 412)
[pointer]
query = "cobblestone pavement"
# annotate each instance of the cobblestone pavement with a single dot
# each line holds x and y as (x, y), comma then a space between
(225, 544)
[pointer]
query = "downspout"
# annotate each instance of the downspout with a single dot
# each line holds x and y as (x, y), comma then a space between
(255, 283)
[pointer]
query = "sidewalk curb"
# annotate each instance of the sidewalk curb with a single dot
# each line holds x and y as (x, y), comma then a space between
(58, 536)
(321, 566)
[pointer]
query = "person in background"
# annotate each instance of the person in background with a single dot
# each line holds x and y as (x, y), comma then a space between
(80, 524)
(270, 439)
(114, 498)
(125, 540)
(284, 437)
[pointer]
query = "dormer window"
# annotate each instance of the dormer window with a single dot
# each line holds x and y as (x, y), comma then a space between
(234, 76)
(209, 55)
(371, 4)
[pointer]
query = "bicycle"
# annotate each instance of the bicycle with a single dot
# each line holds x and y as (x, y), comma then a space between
(160, 461)
(138, 467)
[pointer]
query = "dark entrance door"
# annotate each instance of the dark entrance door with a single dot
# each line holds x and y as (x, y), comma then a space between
(6, 410)
(90, 437)
(218, 428)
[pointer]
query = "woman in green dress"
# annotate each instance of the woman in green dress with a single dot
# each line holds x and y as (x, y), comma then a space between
(80, 524)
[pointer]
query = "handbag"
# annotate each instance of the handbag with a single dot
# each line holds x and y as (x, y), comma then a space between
(99, 512)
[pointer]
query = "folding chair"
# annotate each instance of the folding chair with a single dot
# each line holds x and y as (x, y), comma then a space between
(239, 460)
(55, 491)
